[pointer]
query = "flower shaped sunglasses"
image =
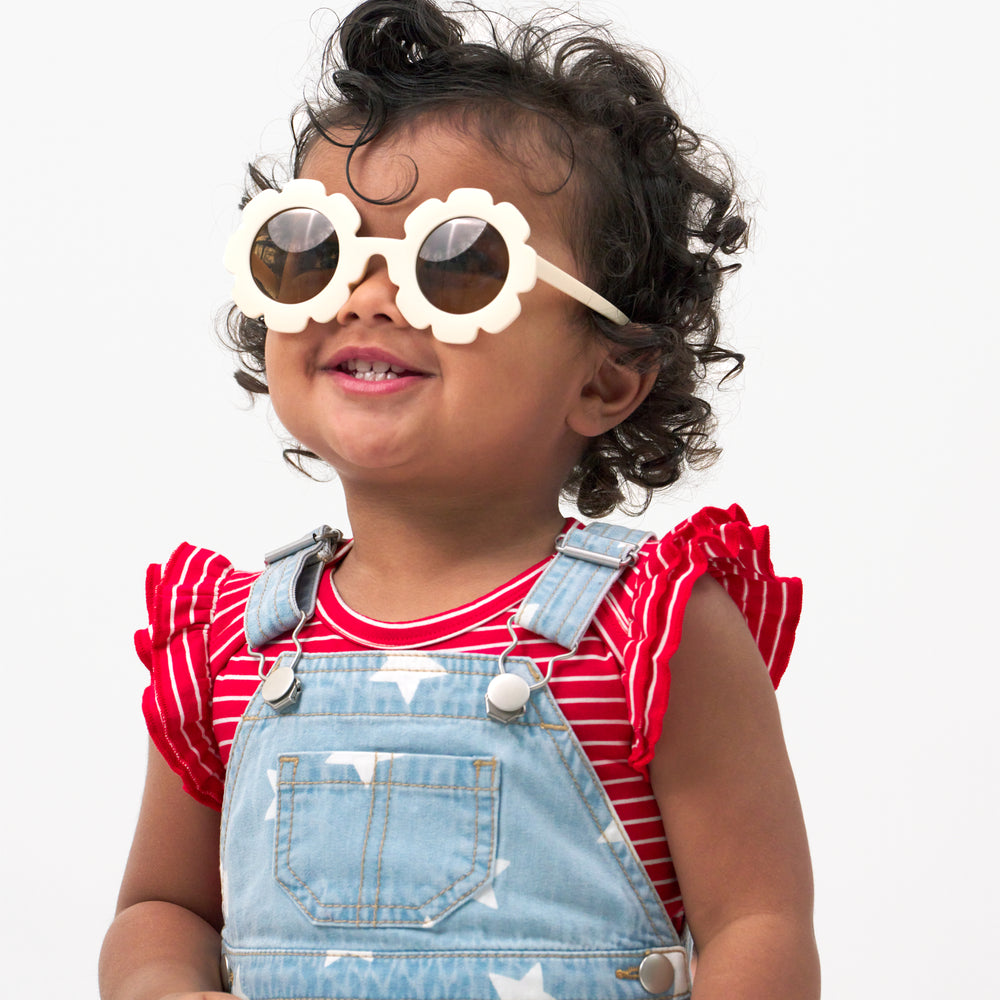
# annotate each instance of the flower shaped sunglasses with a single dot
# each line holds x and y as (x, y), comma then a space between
(460, 267)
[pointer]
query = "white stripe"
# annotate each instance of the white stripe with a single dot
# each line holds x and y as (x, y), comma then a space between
(592, 701)
(610, 677)
(190, 667)
(779, 628)
(234, 598)
(760, 620)
(658, 652)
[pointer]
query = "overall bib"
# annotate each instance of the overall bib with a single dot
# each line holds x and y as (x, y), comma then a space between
(390, 832)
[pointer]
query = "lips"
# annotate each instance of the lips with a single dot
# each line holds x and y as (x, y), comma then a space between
(370, 366)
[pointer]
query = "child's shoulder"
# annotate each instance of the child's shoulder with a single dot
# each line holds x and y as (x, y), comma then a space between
(713, 533)
(716, 541)
(644, 614)
(188, 589)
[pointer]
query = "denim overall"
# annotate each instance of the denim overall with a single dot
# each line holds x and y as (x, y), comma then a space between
(390, 832)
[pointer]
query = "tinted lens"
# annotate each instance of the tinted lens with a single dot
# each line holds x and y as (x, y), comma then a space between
(294, 255)
(462, 265)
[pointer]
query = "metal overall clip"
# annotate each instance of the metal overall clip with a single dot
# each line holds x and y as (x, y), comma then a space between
(561, 605)
(282, 598)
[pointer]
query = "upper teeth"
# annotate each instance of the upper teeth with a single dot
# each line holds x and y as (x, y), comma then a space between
(372, 371)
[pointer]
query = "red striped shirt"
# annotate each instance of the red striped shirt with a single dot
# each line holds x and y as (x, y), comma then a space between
(614, 691)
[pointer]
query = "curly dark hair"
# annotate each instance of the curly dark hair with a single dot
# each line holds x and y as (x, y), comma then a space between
(653, 203)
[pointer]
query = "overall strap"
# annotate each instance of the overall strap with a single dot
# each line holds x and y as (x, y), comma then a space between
(285, 593)
(565, 598)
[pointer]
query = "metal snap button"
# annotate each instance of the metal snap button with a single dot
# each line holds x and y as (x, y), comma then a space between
(506, 697)
(656, 973)
(281, 688)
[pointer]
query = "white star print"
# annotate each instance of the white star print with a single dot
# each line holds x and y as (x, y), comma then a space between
(529, 987)
(363, 761)
(486, 895)
(408, 671)
(335, 956)
(612, 834)
(272, 809)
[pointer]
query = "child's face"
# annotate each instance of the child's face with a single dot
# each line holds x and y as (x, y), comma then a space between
(504, 414)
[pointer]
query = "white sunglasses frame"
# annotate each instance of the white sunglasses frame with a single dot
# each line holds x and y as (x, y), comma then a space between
(525, 266)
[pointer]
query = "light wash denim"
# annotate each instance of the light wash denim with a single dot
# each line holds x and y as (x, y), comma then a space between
(384, 838)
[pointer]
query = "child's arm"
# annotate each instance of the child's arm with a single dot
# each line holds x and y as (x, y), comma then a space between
(164, 941)
(725, 789)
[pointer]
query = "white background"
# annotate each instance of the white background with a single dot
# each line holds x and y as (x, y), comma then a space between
(863, 432)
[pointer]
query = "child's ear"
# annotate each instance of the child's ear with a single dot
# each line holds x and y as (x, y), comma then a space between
(612, 393)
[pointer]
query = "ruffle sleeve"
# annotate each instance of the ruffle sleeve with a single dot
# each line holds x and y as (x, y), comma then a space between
(737, 555)
(180, 598)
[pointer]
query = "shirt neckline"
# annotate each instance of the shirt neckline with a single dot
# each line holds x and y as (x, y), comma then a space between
(332, 609)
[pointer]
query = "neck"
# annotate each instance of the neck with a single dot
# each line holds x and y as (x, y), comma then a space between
(413, 557)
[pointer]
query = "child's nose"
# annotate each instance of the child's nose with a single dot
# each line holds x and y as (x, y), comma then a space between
(373, 298)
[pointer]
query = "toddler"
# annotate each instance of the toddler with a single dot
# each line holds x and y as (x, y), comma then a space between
(479, 750)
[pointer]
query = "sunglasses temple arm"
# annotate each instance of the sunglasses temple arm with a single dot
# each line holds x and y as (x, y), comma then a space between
(558, 278)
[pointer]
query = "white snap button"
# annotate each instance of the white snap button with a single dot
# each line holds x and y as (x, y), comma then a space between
(508, 692)
(656, 973)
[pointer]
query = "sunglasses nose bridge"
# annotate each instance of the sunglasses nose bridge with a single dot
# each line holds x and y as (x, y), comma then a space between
(376, 255)
(372, 293)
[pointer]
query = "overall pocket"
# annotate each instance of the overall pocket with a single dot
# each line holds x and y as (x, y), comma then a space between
(384, 839)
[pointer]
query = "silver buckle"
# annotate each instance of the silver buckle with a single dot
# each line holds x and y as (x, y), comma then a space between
(600, 558)
(324, 533)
